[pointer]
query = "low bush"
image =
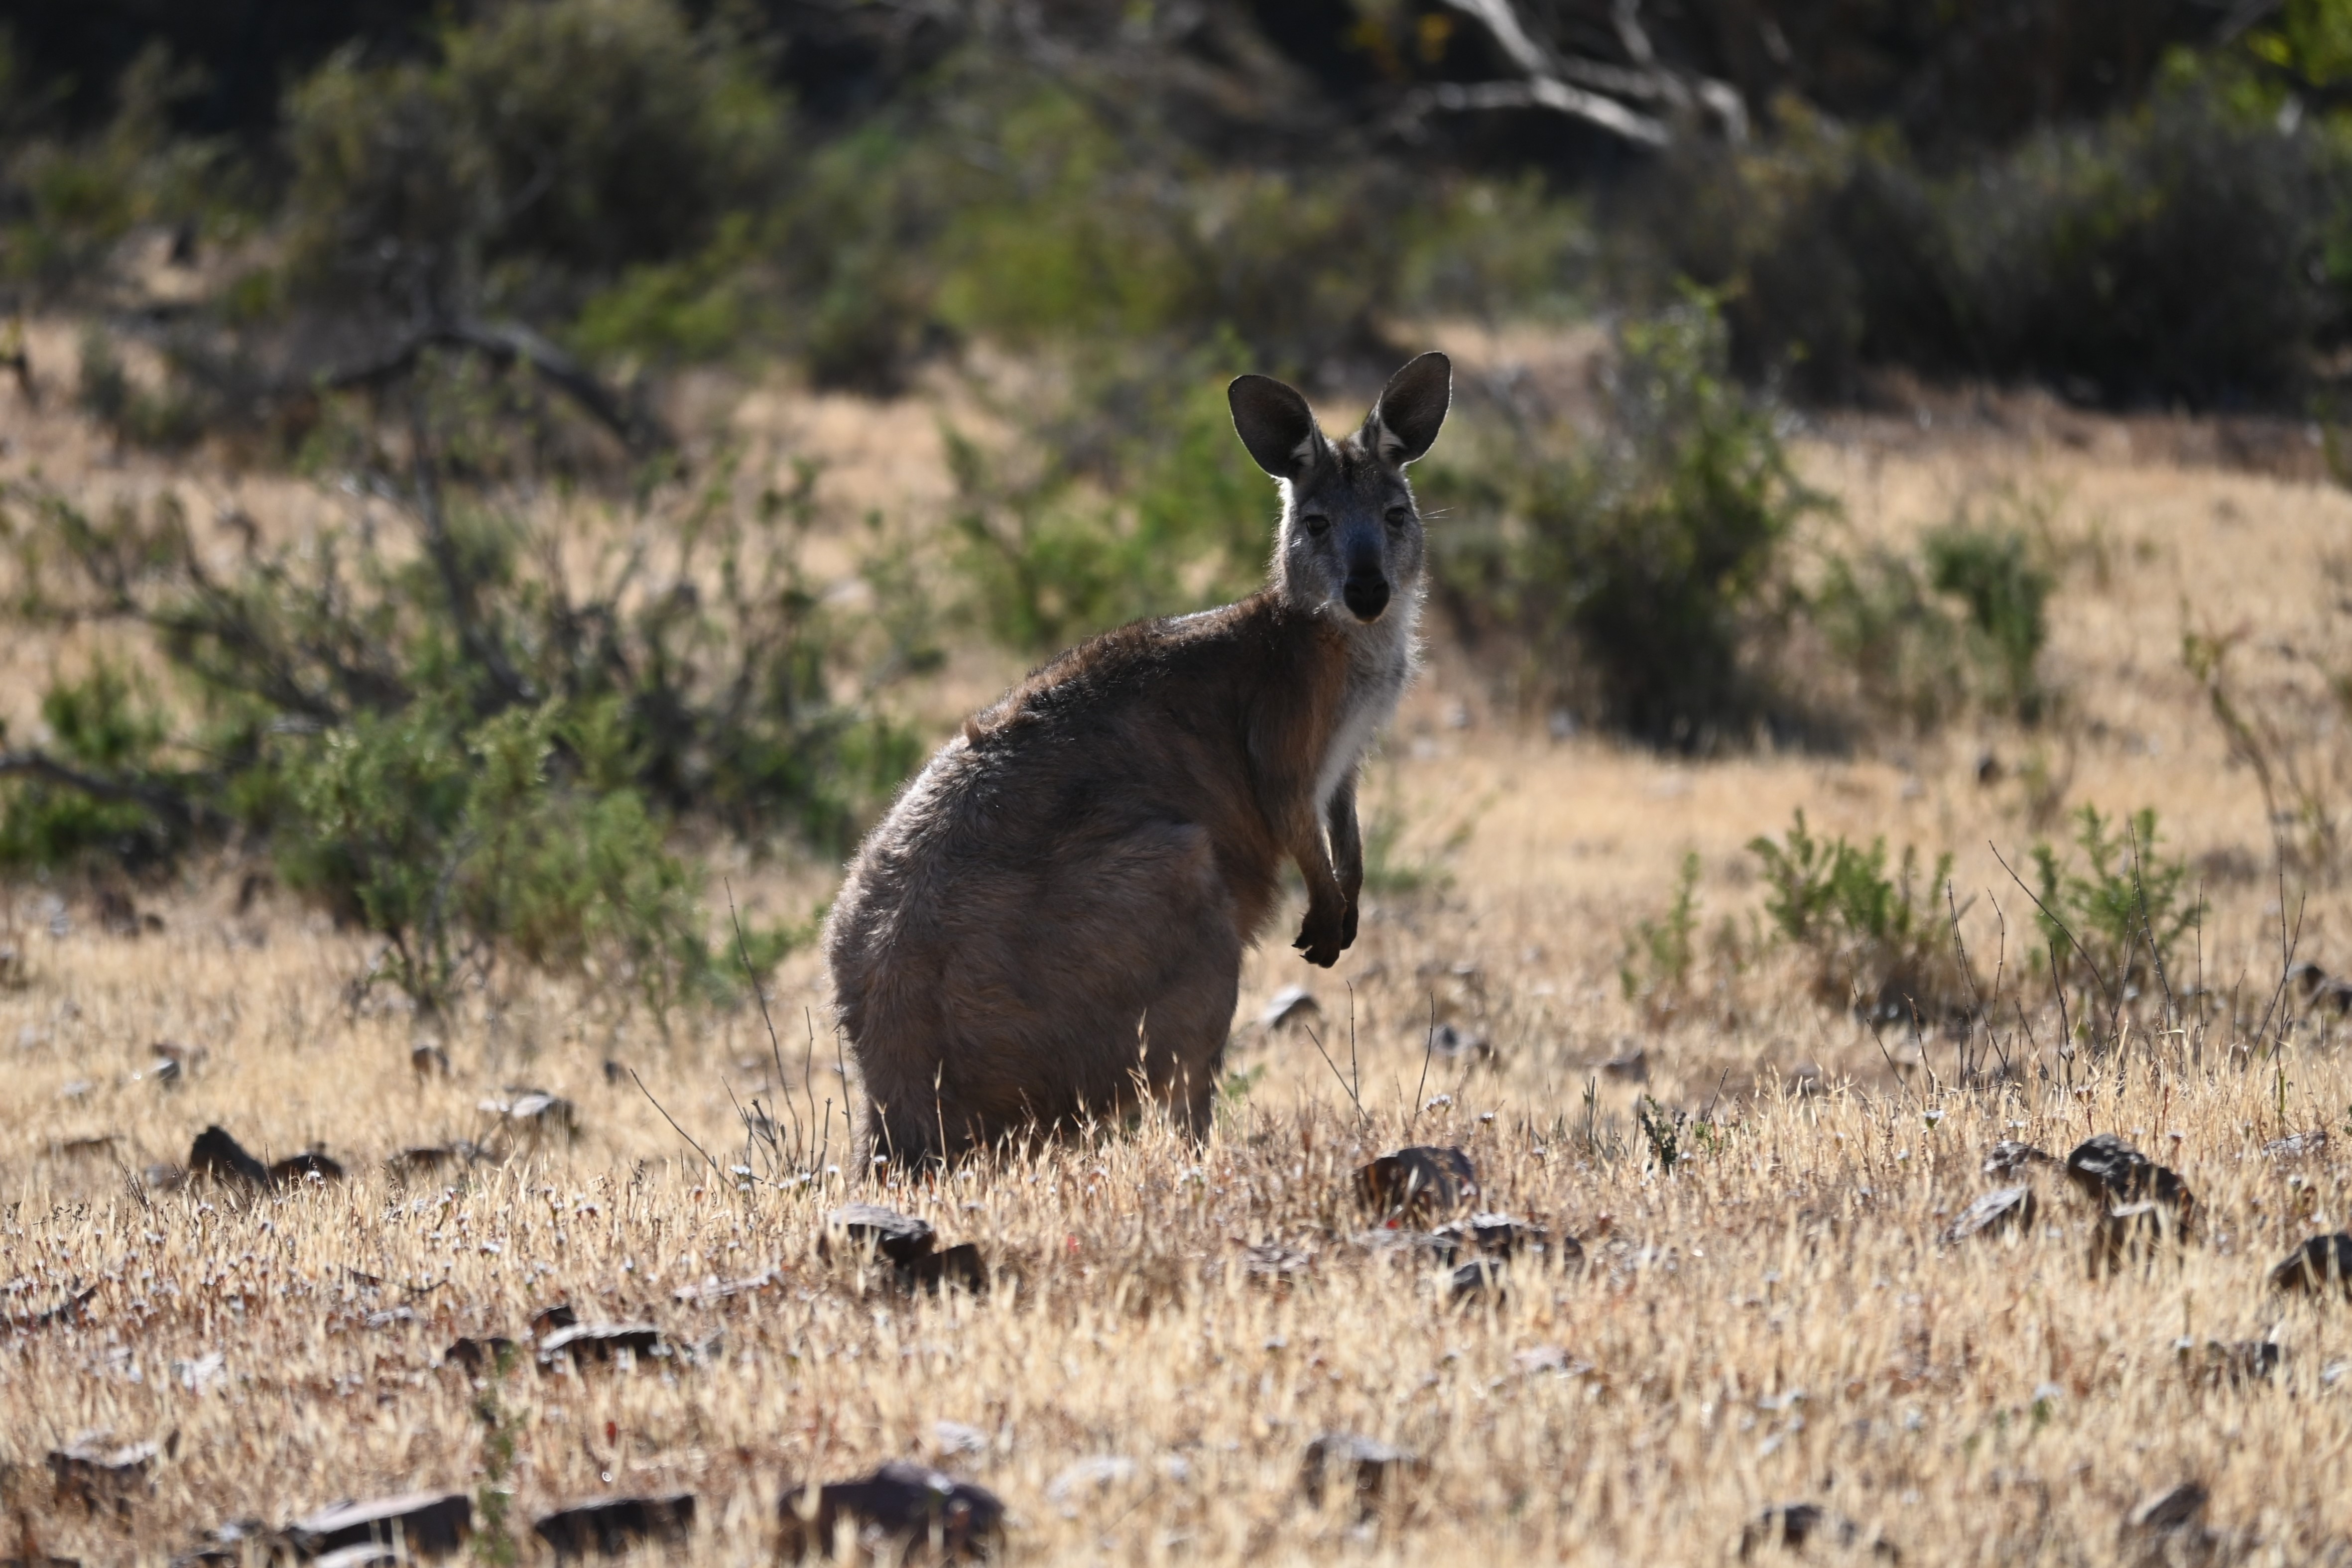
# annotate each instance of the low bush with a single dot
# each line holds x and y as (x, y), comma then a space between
(1633, 575)
(2111, 926)
(541, 147)
(1656, 966)
(1963, 624)
(1878, 943)
(1129, 496)
(454, 741)
(2188, 249)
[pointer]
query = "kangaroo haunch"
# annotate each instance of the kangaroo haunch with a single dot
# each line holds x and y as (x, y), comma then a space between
(1051, 916)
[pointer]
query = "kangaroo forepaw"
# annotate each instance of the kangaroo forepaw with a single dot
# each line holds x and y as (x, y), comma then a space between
(1322, 940)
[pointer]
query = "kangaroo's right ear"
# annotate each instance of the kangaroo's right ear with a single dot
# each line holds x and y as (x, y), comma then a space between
(1275, 423)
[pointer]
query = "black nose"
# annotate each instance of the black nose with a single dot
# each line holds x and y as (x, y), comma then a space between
(1366, 596)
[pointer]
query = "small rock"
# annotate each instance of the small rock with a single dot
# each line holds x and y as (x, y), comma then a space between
(897, 1503)
(426, 1159)
(2297, 1146)
(1418, 1182)
(308, 1167)
(2320, 1264)
(2172, 1509)
(611, 1526)
(91, 1475)
(900, 1237)
(1099, 1474)
(2008, 1208)
(1370, 1468)
(2245, 1361)
(1631, 1067)
(1290, 1005)
(480, 1356)
(216, 1154)
(1479, 1282)
(960, 1266)
(547, 1320)
(1792, 1524)
(2010, 1158)
(537, 1110)
(1273, 1261)
(1989, 769)
(585, 1343)
(2318, 990)
(1498, 1236)
(2131, 1232)
(428, 1060)
(955, 1437)
(2108, 1169)
(725, 1290)
(422, 1523)
(1460, 1045)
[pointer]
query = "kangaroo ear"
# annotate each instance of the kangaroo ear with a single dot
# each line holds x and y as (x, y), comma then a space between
(1275, 423)
(1412, 407)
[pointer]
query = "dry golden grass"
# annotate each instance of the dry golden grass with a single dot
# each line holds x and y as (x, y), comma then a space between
(1775, 1320)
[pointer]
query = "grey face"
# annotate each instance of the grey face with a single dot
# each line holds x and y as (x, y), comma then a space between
(1350, 533)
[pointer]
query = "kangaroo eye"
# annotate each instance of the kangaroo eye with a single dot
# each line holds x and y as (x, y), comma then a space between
(1318, 524)
(1399, 516)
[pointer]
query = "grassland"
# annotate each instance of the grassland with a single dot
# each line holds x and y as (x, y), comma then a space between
(1775, 1318)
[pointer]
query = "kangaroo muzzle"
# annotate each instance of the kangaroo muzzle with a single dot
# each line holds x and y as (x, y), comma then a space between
(1366, 597)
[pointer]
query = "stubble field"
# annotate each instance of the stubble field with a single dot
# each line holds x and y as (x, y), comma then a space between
(1775, 1317)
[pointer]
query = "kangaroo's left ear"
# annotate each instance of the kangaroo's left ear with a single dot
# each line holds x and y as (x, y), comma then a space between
(1412, 409)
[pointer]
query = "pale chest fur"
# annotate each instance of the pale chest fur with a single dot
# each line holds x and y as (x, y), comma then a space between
(1383, 657)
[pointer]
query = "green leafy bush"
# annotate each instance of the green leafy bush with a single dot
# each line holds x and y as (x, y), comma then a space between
(460, 744)
(544, 143)
(1634, 575)
(1140, 502)
(2112, 926)
(1878, 942)
(1655, 968)
(1965, 622)
(2187, 250)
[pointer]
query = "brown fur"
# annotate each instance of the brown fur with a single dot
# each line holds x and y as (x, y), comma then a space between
(1054, 910)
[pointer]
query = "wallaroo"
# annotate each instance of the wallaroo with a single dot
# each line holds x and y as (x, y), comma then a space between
(1049, 923)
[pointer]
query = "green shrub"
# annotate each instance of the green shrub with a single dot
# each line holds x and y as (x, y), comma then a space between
(1140, 503)
(1877, 941)
(2112, 927)
(465, 746)
(1634, 575)
(2187, 250)
(546, 143)
(1966, 623)
(2005, 592)
(1656, 966)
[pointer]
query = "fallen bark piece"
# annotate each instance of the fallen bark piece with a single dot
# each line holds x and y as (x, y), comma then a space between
(2002, 1209)
(90, 1475)
(601, 1342)
(2109, 1169)
(479, 1355)
(2321, 1264)
(2175, 1508)
(432, 1524)
(1417, 1184)
(610, 1527)
(959, 1266)
(2231, 1364)
(900, 1237)
(1370, 1468)
(898, 1502)
(2010, 1157)
(1478, 1281)
(306, 1167)
(1496, 1235)
(1793, 1524)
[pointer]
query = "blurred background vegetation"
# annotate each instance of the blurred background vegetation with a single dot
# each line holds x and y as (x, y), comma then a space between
(447, 255)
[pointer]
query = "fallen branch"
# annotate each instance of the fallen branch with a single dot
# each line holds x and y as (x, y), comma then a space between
(507, 342)
(166, 802)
